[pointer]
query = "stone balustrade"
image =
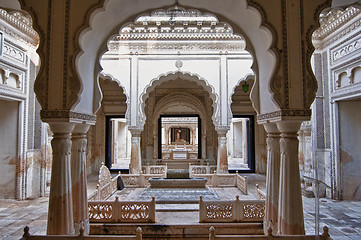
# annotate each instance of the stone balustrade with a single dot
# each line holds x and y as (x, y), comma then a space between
(242, 184)
(231, 210)
(224, 180)
(106, 185)
(202, 169)
(154, 169)
(259, 193)
(139, 180)
(122, 211)
(81, 236)
(269, 236)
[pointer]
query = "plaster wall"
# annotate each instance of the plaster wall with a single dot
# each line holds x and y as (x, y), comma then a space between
(350, 151)
(9, 111)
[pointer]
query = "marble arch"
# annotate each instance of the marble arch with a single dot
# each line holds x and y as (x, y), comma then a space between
(181, 76)
(177, 99)
(246, 20)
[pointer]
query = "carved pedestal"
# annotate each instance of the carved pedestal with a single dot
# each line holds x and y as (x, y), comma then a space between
(60, 213)
(273, 175)
(290, 210)
(79, 178)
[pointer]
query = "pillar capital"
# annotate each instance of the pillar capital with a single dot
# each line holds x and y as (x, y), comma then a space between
(61, 127)
(289, 126)
(81, 128)
(271, 127)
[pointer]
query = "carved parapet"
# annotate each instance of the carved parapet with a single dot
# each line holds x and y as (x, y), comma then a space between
(231, 211)
(121, 211)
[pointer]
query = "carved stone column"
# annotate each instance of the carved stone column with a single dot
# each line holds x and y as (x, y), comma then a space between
(290, 210)
(273, 176)
(79, 178)
(135, 157)
(222, 157)
(60, 213)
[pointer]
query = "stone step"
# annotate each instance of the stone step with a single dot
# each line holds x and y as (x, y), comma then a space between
(181, 231)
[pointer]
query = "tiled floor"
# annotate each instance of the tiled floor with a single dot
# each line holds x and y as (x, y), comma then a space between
(342, 218)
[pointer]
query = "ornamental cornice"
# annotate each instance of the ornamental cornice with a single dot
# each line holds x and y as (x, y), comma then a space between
(22, 27)
(176, 45)
(66, 116)
(333, 21)
(284, 114)
(177, 24)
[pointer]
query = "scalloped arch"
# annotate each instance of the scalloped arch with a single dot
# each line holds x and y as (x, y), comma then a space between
(111, 78)
(182, 76)
(260, 38)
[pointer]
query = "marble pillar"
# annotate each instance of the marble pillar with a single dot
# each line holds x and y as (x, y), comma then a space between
(222, 157)
(273, 176)
(135, 156)
(60, 212)
(79, 178)
(290, 210)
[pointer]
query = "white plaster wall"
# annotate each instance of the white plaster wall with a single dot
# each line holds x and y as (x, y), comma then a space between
(350, 151)
(8, 148)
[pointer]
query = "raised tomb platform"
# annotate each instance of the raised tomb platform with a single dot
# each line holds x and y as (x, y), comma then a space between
(178, 187)
(194, 182)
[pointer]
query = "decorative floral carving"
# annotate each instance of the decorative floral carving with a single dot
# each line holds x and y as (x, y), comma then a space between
(100, 211)
(134, 211)
(253, 211)
(219, 211)
(14, 53)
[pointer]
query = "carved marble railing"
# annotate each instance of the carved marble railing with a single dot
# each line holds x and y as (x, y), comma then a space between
(212, 236)
(222, 180)
(202, 169)
(138, 180)
(242, 184)
(231, 211)
(154, 169)
(106, 185)
(259, 193)
(81, 236)
(121, 211)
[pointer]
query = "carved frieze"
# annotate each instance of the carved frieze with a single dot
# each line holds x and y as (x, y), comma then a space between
(61, 115)
(14, 53)
(284, 114)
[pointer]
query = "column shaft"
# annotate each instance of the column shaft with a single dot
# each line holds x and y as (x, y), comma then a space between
(135, 158)
(60, 213)
(273, 176)
(79, 178)
(222, 157)
(290, 210)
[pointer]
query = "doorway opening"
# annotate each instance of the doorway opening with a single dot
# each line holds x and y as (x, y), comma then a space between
(241, 147)
(117, 143)
(179, 137)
